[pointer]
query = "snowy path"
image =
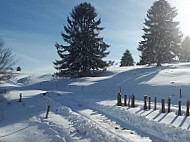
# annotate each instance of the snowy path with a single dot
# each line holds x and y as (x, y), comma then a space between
(62, 125)
(98, 127)
(127, 122)
(156, 131)
(71, 119)
(111, 127)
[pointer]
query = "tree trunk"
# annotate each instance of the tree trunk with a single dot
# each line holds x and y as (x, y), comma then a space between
(159, 61)
(158, 64)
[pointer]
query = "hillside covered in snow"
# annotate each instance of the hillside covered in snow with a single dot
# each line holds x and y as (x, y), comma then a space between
(85, 109)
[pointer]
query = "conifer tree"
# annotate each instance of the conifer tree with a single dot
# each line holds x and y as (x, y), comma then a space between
(127, 59)
(18, 69)
(162, 38)
(185, 50)
(83, 49)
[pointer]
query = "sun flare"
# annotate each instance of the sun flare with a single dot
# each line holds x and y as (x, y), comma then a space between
(183, 7)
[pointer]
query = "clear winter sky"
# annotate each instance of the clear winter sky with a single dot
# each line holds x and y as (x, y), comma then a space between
(31, 27)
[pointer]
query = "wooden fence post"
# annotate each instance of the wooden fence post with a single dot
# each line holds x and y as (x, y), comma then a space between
(155, 100)
(169, 104)
(125, 100)
(145, 103)
(119, 99)
(47, 112)
(133, 100)
(163, 106)
(179, 109)
(187, 111)
(20, 100)
(180, 93)
(149, 103)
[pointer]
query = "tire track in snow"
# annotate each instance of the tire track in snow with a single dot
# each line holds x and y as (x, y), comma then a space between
(112, 127)
(86, 127)
(148, 128)
(100, 122)
(156, 131)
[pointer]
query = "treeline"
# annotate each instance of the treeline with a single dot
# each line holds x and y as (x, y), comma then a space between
(162, 40)
(83, 50)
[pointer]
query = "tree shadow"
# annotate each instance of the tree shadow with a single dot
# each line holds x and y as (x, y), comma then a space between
(96, 90)
(97, 87)
(130, 81)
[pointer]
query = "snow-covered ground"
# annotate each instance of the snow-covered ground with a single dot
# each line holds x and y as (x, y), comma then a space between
(85, 109)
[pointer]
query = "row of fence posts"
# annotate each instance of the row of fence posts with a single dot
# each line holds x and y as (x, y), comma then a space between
(119, 103)
(163, 105)
(47, 113)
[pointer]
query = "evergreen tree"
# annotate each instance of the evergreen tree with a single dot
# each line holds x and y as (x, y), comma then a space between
(162, 38)
(84, 49)
(127, 59)
(18, 69)
(185, 50)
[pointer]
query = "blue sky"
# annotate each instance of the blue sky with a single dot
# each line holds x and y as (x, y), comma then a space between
(31, 28)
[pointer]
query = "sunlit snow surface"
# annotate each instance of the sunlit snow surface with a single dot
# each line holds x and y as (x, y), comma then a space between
(85, 109)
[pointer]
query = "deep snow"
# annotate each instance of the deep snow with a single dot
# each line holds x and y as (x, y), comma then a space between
(85, 109)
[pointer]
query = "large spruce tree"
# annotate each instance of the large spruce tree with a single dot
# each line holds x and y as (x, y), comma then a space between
(162, 38)
(127, 59)
(83, 50)
(185, 50)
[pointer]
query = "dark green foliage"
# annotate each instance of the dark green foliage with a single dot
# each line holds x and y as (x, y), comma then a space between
(18, 69)
(83, 50)
(162, 38)
(185, 50)
(127, 59)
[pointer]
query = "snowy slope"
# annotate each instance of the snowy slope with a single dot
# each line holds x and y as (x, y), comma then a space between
(85, 109)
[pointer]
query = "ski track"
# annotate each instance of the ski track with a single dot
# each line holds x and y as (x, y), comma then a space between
(88, 127)
(140, 124)
(84, 120)
(63, 124)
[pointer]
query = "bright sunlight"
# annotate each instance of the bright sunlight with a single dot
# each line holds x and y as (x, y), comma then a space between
(183, 7)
